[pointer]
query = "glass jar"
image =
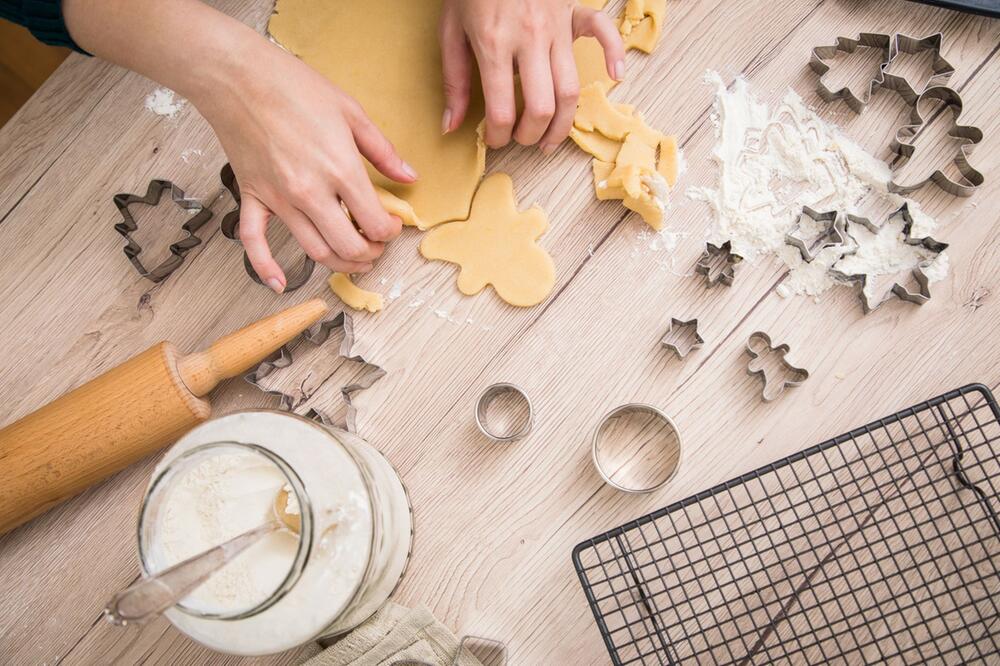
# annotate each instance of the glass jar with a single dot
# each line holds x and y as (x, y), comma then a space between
(223, 478)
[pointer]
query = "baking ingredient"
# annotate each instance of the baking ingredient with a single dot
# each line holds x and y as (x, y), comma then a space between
(771, 163)
(354, 296)
(496, 246)
(398, 207)
(632, 162)
(640, 23)
(383, 53)
(163, 103)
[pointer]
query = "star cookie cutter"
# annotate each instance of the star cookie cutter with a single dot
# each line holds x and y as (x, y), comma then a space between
(969, 135)
(820, 54)
(870, 301)
(231, 230)
(718, 264)
(759, 346)
(178, 250)
(682, 337)
(941, 69)
(833, 233)
(318, 335)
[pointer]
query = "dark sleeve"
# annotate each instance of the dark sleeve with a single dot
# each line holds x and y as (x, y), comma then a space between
(44, 18)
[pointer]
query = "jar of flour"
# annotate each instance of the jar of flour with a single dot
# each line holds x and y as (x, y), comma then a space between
(222, 478)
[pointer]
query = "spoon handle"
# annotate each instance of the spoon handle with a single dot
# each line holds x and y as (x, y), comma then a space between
(151, 596)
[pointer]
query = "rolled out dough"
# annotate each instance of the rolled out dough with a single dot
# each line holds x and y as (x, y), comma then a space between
(354, 296)
(385, 53)
(496, 246)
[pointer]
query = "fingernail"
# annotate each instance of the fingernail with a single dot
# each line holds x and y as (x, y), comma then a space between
(409, 171)
(275, 285)
(548, 149)
(446, 121)
(619, 70)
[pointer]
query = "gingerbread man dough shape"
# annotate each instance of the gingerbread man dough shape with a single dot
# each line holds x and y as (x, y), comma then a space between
(496, 246)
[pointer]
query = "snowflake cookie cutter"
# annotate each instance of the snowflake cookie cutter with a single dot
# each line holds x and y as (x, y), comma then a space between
(820, 54)
(922, 294)
(969, 135)
(231, 230)
(941, 69)
(718, 264)
(759, 346)
(834, 232)
(200, 215)
(318, 335)
(682, 337)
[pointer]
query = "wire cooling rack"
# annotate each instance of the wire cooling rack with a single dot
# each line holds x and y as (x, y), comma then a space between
(881, 545)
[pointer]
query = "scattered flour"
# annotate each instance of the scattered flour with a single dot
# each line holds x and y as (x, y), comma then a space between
(163, 103)
(772, 163)
(190, 153)
(396, 290)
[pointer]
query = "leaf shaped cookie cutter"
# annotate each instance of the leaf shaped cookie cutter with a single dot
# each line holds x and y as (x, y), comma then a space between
(318, 335)
(231, 230)
(128, 226)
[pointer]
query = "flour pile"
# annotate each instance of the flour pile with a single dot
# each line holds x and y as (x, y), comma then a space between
(772, 163)
(163, 103)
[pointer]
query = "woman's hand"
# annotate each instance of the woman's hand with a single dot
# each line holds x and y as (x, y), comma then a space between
(294, 140)
(534, 38)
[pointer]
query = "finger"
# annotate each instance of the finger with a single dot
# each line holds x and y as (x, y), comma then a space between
(592, 23)
(566, 86)
(378, 149)
(498, 89)
(254, 217)
(456, 65)
(358, 193)
(338, 231)
(539, 99)
(314, 245)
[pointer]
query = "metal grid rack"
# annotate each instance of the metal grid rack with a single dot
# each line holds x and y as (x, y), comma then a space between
(880, 545)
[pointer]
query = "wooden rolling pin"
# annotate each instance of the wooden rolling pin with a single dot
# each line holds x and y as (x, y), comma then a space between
(125, 414)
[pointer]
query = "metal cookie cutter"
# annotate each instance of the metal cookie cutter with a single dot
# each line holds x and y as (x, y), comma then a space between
(847, 45)
(179, 249)
(968, 134)
(759, 346)
(489, 427)
(833, 233)
(231, 230)
(682, 336)
(941, 69)
(600, 434)
(318, 335)
(870, 301)
(718, 264)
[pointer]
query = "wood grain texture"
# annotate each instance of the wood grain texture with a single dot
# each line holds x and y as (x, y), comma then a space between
(494, 524)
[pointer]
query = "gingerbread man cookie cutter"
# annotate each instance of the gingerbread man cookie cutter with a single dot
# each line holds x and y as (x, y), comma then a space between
(200, 215)
(231, 230)
(759, 345)
(970, 136)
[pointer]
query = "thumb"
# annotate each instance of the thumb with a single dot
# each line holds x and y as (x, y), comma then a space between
(592, 23)
(456, 66)
(254, 217)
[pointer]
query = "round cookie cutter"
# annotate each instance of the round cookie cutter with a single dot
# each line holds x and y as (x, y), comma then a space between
(636, 407)
(492, 429)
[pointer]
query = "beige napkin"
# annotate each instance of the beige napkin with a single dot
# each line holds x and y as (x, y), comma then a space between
(396, 633)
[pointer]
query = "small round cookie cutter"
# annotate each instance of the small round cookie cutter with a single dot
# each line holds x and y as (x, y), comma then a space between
(490, 428)
(640, 408)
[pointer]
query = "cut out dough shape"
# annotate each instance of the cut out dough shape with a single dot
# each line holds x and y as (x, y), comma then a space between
(496, 246)
(640, 23)
(385, 54)
(354, 296)
(626, 165)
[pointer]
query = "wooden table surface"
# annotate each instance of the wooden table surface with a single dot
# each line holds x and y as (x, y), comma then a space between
(495, 524)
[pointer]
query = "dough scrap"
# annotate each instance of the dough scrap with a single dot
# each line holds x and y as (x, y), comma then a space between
(640, 23)
(496, 246)
(401, 209)
(383, 53)
(354, 296)
(624, 147)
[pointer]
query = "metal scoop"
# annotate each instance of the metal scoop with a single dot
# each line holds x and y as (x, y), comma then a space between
(152, 596)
